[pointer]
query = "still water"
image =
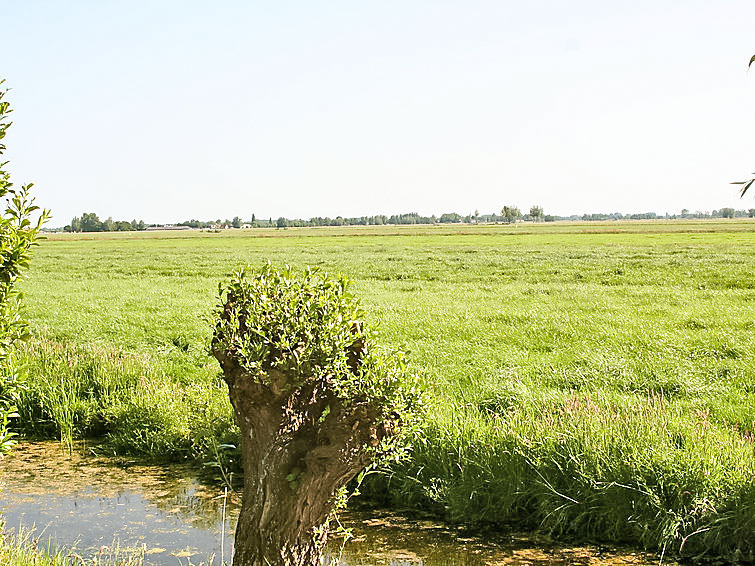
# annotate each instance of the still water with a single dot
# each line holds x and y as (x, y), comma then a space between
(83, 501)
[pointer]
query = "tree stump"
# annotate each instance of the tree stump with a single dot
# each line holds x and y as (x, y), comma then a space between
(315, 404)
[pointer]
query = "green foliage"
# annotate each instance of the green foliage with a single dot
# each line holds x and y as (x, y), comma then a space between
(17, 236)
(275, 320)
(450, 217)
(308, 327)
(90, 222)
(510, 213)
(536, 212)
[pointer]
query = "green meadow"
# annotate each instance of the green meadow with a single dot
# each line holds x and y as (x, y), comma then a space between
(595, 381)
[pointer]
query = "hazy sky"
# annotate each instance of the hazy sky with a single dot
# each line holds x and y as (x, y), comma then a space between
(169, 110)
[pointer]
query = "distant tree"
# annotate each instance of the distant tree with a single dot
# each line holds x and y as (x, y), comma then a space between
(90, 222)
(236, 222)
(751, 213)
(254, 220)
(636, 216)
(450, 217)
(476, 215)
(536, 212)
(408, 218)
(727, 212)
(510, 213)
(123, 226)
(282, 222)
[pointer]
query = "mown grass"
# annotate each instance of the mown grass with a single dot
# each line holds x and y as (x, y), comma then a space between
(591, 380)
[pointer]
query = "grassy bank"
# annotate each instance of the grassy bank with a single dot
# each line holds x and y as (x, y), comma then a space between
(593, 380)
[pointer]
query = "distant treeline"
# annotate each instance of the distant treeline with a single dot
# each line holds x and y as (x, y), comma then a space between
(89, 221)
(508, 214)
(721, 213)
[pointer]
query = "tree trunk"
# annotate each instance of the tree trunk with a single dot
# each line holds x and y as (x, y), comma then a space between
(299, 446)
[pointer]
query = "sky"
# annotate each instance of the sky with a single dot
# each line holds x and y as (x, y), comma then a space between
(176, 109)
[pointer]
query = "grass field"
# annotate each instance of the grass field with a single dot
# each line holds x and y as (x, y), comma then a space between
(591, 380)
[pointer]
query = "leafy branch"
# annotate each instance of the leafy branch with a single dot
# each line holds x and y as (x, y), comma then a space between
(748, 183)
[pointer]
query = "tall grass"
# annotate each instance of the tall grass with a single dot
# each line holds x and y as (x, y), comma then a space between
(127, 399)
(597, 467)
(22, 549)
(594, 381)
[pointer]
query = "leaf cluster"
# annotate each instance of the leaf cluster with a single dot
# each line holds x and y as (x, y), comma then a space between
(303, 327)
(18, 235)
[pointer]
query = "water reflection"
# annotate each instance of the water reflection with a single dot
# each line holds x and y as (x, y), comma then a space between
(88, 501)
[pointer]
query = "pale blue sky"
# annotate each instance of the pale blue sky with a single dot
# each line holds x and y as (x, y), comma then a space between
(169, 110)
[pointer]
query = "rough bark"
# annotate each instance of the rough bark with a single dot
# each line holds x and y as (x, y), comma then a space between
(299, 446)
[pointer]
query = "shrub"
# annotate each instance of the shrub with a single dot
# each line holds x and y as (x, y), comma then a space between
(17, 236)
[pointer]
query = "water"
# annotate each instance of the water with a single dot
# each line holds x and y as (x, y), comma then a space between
(84, 501)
